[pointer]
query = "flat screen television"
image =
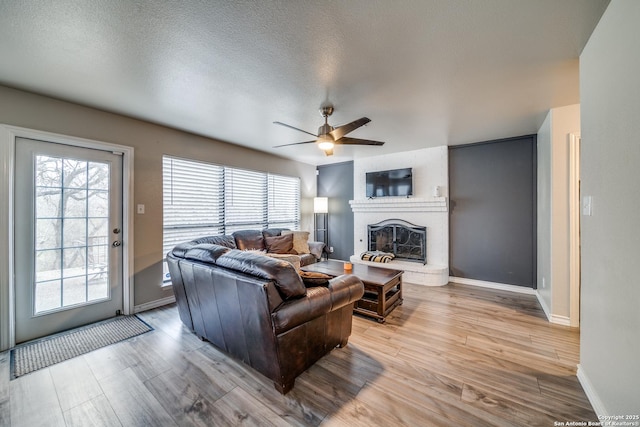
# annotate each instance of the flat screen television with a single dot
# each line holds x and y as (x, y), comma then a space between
(396, 182)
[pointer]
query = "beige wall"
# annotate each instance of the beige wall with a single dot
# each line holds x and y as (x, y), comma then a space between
(150, 141)
(610, 107)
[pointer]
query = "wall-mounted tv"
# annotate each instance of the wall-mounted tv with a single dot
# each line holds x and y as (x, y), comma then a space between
(397, 182)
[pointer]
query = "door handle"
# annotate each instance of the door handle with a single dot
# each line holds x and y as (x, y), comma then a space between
(116, 243)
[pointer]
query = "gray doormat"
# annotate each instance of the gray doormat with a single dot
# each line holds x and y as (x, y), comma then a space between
(34, 355)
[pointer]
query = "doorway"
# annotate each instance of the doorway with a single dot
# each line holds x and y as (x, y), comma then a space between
(68, 226)
(68, 233)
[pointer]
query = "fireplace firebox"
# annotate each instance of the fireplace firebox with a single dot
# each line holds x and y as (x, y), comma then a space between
(405, 240)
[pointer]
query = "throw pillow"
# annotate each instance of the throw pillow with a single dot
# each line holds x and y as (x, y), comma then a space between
(300, 241)
(377, 256)
(279, 244)
(310, 278)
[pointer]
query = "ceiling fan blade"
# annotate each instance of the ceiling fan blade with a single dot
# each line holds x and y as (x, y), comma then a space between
(341, 131)
(357, 141)
(294, 128)
(295, 143)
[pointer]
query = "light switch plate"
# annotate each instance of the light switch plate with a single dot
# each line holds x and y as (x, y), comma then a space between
(587, 206)
(140, 209)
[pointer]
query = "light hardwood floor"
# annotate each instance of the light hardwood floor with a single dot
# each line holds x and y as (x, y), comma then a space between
(449, 356)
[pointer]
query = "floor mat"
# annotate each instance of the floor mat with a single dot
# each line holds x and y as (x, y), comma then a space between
(34, 355)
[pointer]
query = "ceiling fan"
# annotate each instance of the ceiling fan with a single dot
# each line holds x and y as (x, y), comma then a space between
(328, 136)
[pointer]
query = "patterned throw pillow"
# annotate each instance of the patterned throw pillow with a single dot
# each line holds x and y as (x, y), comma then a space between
(377, 256)
(300, 241)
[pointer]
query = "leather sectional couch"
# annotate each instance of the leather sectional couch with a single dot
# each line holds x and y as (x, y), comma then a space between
(258, 309)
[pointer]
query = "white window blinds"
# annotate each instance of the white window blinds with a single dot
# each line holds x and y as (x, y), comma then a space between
(283, 211)
(193, 203)
(245, 200)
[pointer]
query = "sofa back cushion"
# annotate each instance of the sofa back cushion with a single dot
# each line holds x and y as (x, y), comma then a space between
(206, 252)
(181, 249)
(287, 280)
(272, 232)
(249, 240)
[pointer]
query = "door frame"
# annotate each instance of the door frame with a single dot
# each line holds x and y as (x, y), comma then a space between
(574, 229)
(8, 135)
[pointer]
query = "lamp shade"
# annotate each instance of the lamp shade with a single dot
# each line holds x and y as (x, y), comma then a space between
(320, 205)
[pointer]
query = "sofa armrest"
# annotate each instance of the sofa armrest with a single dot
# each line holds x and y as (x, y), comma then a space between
(316, 249)
(345, 289)
(319, 300)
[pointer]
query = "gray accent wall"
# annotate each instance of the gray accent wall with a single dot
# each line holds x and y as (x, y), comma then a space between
(336, 182)
(492, 223)
(610, 129)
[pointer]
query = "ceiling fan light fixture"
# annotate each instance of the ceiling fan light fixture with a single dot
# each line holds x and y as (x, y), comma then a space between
(325, 145)
(328, 136)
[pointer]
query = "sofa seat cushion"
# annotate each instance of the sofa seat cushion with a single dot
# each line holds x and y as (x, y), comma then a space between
(284, 275)
(293, 259)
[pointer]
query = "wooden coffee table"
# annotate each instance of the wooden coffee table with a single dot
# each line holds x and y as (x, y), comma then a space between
(382, 286)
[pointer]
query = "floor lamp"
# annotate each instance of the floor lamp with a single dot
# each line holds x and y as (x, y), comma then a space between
(321, 208)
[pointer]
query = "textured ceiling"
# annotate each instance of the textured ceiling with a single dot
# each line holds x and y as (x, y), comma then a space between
(426, 72)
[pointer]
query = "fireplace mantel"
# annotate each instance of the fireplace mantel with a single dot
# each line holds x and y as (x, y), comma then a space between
(400, 204)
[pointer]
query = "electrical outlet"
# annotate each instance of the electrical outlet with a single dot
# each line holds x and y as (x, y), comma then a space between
(141, 209)
(330, 249)
(544, 285)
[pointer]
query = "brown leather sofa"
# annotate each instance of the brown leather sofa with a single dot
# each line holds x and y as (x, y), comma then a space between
(258, 309)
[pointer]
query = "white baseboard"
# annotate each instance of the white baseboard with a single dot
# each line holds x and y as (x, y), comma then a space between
(560, 320)
(595, 401)
(154, 304)
(543, 304)
(492, 285)
(552, 318)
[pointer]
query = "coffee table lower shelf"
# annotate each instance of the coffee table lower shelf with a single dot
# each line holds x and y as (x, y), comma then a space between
(378, 301)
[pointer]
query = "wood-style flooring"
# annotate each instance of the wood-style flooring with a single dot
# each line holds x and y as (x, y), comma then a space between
(449, 356)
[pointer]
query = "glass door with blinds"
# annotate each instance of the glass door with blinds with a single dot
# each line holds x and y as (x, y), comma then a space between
(203, 199)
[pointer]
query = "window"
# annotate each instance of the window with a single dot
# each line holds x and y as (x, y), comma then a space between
(202, 199)
(283, 210)
(245, 200)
